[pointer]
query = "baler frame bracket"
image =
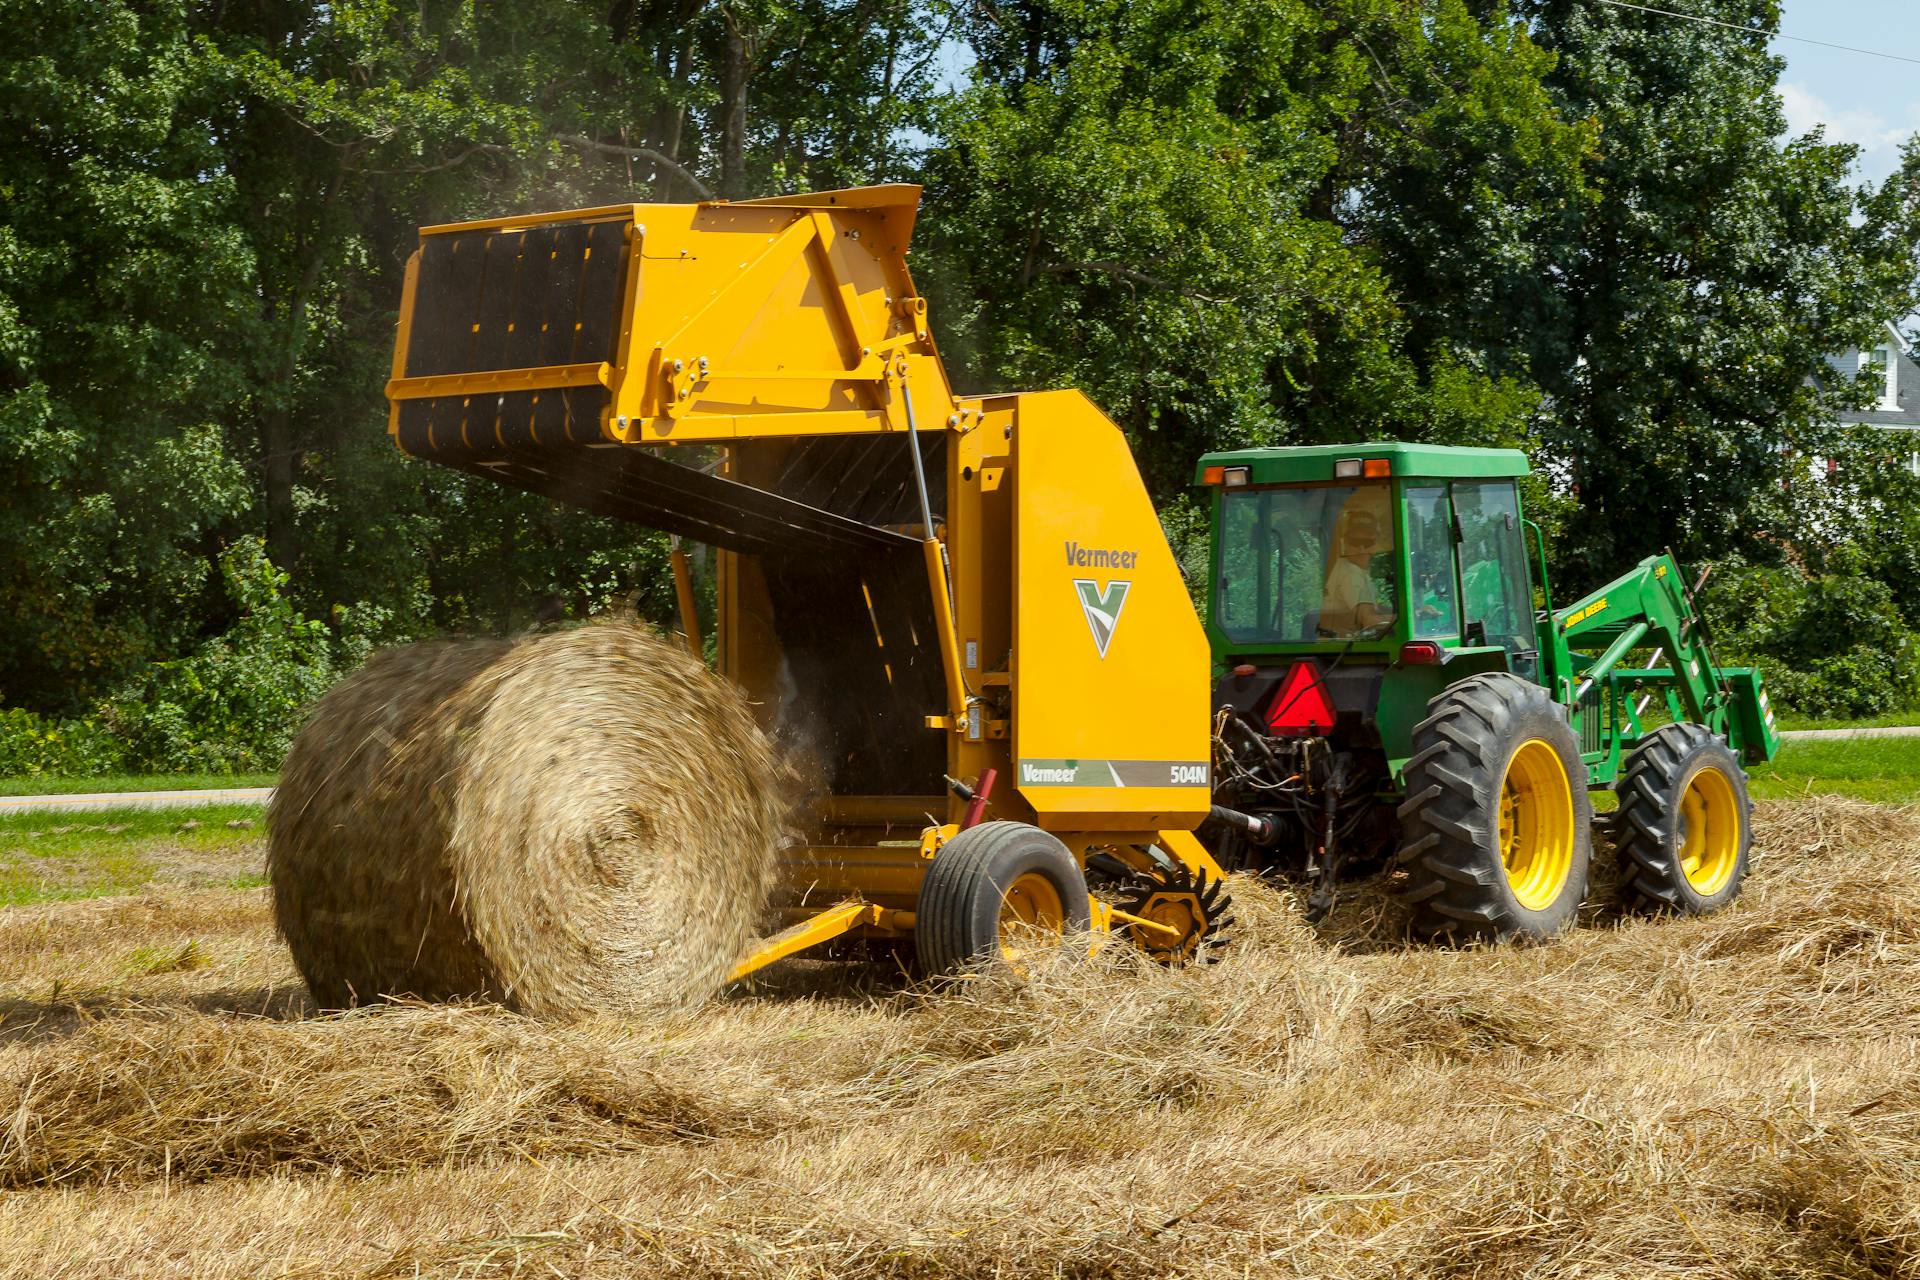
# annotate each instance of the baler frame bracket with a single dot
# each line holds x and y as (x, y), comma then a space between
(834, 922)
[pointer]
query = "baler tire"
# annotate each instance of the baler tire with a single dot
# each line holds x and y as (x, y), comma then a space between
(964, 893)
(1455, 846)
(1655, 823)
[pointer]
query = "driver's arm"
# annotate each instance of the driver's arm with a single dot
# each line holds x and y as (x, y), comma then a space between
(1370, 612)
(1339, 601)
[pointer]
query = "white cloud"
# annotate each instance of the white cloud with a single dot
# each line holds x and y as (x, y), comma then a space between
(1878, 138)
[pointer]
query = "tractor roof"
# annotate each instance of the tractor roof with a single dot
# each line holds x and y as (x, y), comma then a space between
(1305, 464)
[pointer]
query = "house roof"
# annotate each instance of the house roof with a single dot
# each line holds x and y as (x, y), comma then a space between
(1846, 364)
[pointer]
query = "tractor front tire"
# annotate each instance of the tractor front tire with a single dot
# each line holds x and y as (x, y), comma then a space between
(1684, 826)
(1496, 825)
(991, 884)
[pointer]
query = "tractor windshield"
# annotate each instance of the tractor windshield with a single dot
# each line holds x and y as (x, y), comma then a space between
(1306, 564)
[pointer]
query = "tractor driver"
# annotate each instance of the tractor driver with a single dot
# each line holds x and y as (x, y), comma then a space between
(1350, 604)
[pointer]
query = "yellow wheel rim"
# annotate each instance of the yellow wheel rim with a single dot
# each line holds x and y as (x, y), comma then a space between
(1030, 911)
(1536, 825)
(1709, 835)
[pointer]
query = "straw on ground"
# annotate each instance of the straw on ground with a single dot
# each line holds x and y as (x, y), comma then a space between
(1737, 1095)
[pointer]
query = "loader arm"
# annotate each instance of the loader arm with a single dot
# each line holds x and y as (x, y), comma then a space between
(1649, 609)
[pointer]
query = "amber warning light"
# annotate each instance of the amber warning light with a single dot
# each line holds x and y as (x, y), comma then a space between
(1300, 706)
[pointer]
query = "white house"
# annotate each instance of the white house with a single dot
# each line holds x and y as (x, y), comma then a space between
(1898, 377)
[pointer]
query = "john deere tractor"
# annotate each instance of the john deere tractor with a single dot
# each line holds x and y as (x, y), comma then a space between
(1393, 684)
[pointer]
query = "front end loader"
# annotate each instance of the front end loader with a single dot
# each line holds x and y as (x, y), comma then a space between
(1394, 686)
(951, 608)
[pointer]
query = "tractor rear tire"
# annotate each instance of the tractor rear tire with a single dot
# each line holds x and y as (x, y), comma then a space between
(987, 884)
(1684, 826)
(1496, 829)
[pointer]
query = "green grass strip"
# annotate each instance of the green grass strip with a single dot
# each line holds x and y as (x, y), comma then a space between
(43, 785)
(1884, 770)
(50, 857)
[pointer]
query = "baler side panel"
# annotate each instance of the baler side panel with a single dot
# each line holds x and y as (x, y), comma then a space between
(1111, 680)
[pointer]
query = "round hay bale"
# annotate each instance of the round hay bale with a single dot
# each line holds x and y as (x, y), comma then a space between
(577, 822)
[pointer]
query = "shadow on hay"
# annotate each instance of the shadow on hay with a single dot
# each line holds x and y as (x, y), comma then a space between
(25, 1021)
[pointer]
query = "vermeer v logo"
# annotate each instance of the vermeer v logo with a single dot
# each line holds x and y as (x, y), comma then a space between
(1102, 608)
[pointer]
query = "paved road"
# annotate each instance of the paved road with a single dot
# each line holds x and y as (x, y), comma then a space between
(133, 800)
(260, 795)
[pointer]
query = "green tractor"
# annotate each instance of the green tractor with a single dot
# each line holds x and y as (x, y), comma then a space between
(1395, 686)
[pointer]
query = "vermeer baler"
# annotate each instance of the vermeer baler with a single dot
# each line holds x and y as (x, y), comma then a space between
(951, 607)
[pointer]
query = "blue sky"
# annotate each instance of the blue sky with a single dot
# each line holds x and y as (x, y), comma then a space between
(1872, 102)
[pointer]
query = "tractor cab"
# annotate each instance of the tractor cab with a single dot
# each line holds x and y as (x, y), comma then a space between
(1360, 580)
(1350, 585)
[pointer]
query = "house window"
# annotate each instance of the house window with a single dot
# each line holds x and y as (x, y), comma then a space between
(1881, 364)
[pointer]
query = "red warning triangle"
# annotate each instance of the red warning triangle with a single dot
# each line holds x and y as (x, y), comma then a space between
(1300, 706)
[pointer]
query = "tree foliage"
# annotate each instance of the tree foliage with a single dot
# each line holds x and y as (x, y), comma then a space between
(1716, 267)
(1230, 223)
(1552, 223)
(121, 282)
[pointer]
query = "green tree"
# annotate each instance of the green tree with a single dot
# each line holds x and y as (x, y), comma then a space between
(347, 125)
(121, 283)
(209, 206)
(1698, 292)
(1200, 214)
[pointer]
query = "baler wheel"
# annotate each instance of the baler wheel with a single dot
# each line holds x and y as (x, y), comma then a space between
(996, 890)
(1496, 827)
(1685, 825)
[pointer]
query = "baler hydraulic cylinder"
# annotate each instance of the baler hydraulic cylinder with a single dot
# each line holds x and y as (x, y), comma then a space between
(938, 573)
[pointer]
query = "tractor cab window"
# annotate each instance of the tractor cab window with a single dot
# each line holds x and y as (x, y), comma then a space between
(1300, 565)
(1436, 613)
(1493, 563)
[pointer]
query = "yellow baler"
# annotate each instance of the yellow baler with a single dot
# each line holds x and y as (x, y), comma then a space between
(950, 608)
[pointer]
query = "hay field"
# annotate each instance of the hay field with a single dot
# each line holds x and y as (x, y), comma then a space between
(1737, 1096)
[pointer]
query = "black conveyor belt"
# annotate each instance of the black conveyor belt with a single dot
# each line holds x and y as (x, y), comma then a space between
(641, 487)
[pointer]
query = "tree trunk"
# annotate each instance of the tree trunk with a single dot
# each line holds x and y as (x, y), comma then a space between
(675, 60)
(733, 114)
(276, 467)
(279, 457)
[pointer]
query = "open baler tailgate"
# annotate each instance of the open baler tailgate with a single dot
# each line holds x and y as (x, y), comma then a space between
(537, 351)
